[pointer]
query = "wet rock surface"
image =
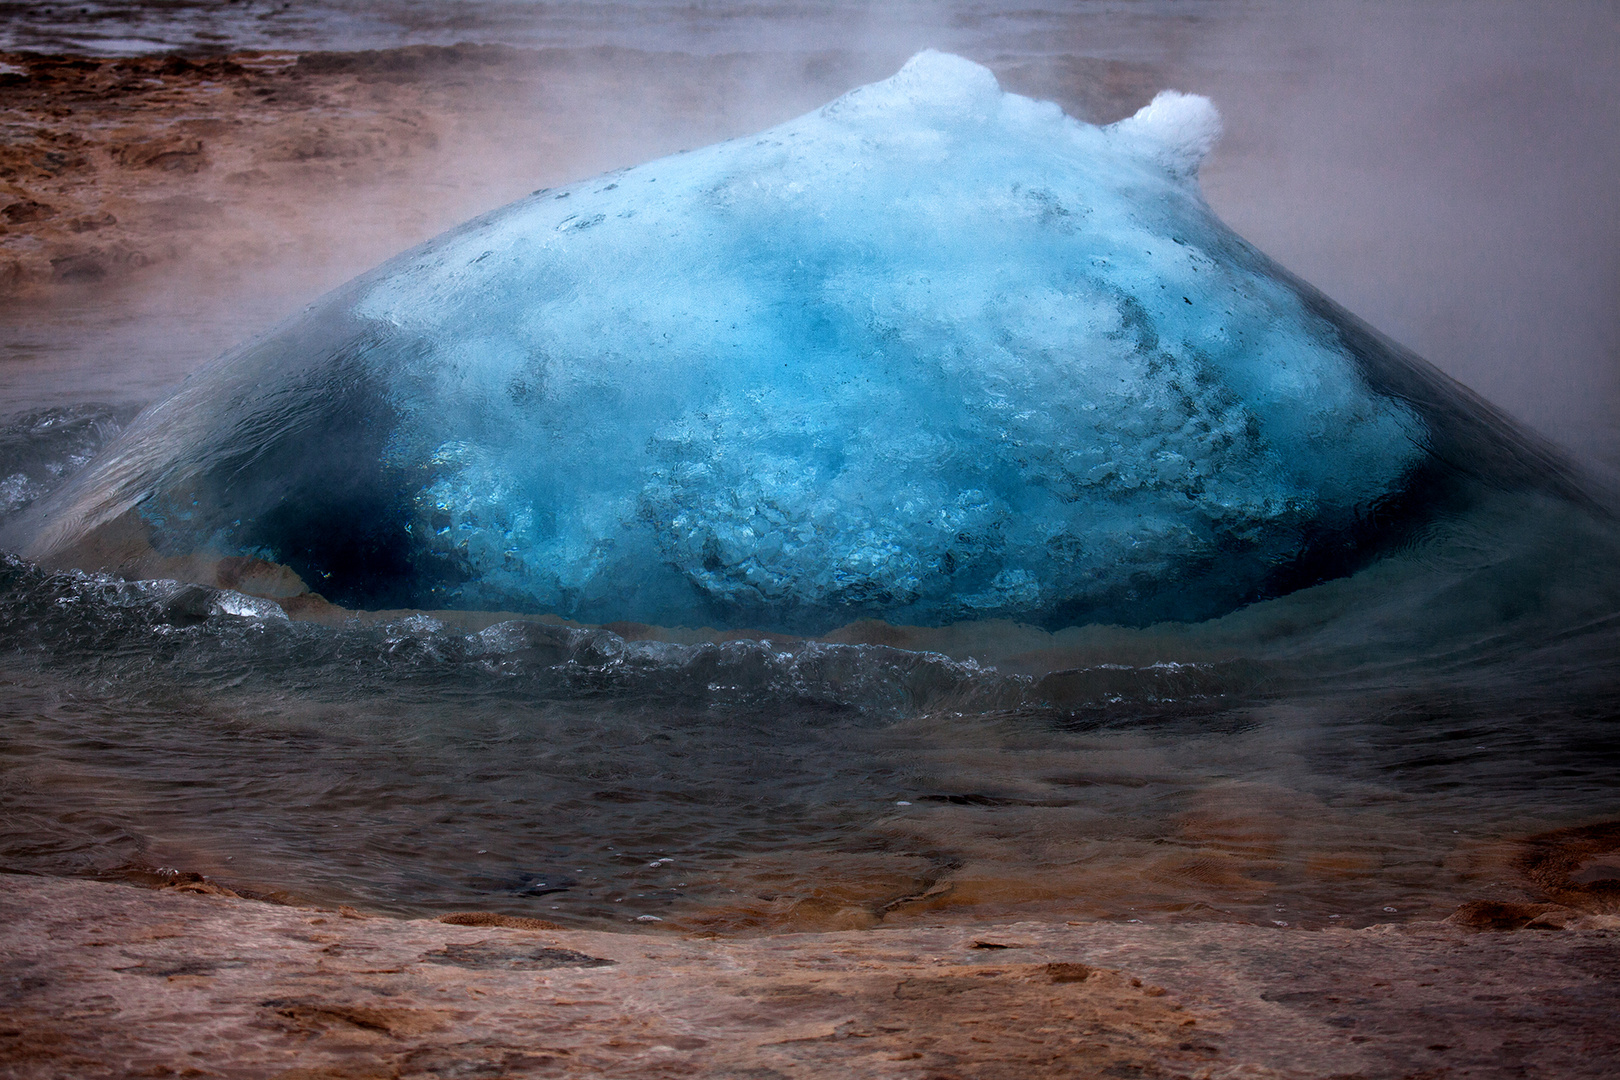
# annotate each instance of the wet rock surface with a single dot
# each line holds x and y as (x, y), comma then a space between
(107, 980)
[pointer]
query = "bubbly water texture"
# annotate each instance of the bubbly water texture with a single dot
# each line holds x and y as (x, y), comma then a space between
(934, 352)
(41, 449)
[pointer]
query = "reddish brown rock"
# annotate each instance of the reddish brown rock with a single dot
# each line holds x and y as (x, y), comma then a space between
(101, 980)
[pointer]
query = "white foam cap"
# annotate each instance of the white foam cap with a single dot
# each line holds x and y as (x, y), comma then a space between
(1175, 130)
(931, 80)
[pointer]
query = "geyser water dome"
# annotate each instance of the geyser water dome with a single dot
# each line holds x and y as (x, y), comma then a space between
(934, 352)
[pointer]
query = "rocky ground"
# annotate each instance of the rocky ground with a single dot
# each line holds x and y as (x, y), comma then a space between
(109, 167)
(103, 980)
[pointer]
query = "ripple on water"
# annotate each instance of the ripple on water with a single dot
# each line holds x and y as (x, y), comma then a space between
(1380, 742)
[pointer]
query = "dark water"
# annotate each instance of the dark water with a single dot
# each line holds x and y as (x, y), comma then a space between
(1366, 750)
(1369, 744)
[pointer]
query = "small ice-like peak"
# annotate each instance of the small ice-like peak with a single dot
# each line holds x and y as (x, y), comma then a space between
(1175, 130)
(931, 80)
(933, 73)
(248, 607)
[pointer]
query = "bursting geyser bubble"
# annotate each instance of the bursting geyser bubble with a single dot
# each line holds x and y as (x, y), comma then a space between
(934, 352)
